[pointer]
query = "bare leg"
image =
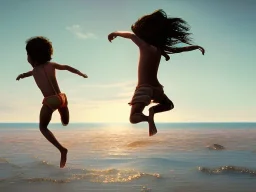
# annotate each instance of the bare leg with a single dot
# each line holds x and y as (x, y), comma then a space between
(165, 105)
(45, 118)
(162, 107)
(64, 115)
(137, 116)
(151, 123)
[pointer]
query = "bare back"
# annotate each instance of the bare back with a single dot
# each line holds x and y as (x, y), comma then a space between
(149, 61)
(39, 74)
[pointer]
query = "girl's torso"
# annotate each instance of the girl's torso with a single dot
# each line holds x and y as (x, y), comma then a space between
(149, 61)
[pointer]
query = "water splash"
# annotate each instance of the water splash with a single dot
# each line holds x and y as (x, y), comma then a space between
(113, 175)
(216, 147)
(145, 189)
(3, 160)
(90, 175)
(30, 180)
(227, 169)
(136, 144)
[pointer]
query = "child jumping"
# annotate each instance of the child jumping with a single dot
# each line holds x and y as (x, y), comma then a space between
(39, 52)
(155, 35)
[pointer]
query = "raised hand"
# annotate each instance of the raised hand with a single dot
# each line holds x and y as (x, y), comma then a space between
(201, 49)
(19, 77)
(84, 75)
(112, 36)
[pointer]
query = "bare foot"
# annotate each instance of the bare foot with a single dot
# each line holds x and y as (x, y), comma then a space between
(151, 123)
(63, 158)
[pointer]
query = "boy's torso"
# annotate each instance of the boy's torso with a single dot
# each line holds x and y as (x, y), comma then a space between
(45, 78)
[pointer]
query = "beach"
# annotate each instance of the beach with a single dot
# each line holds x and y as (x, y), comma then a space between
(122, 157)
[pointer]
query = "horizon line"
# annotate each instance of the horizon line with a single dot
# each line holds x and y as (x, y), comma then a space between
(129, 123)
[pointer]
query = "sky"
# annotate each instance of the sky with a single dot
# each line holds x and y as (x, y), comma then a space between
(216, 87)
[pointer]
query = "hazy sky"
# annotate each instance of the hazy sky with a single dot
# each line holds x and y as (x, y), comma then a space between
(219, 86)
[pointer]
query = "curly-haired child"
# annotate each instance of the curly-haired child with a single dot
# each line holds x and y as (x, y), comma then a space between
(39, 51)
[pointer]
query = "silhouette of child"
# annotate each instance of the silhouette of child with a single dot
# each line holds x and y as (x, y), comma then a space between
(39, 52)
(155, 35)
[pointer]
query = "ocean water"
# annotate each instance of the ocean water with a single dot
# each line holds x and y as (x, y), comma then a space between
(122, 157)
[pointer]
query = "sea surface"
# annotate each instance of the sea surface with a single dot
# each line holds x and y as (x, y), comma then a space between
(122, 157)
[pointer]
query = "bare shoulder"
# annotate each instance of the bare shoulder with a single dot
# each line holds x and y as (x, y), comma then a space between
(56, 65)
(143, 45)
(153, 48)
(53, 64)
(150, 48)
(138, 41)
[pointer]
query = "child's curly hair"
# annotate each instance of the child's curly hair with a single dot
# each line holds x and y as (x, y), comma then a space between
(161, 31)
(39, 49)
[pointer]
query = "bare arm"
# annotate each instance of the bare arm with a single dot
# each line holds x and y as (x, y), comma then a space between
(68, 68)
(171, 50)
(127, 35)
(24, 75)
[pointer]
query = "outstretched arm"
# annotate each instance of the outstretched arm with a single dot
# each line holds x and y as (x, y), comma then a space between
(24, 75)
(68, 68)
(127, 35)
(171, 50)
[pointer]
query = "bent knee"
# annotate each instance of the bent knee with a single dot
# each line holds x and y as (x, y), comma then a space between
(169, 105)
(42, 127)
(132, 119)
(65, 123)
(137, 117)
(64, 120)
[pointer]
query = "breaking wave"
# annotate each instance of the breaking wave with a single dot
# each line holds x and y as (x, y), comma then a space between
(228, 169)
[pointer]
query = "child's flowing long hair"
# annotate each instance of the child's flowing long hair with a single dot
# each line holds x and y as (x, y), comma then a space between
(161, 31)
